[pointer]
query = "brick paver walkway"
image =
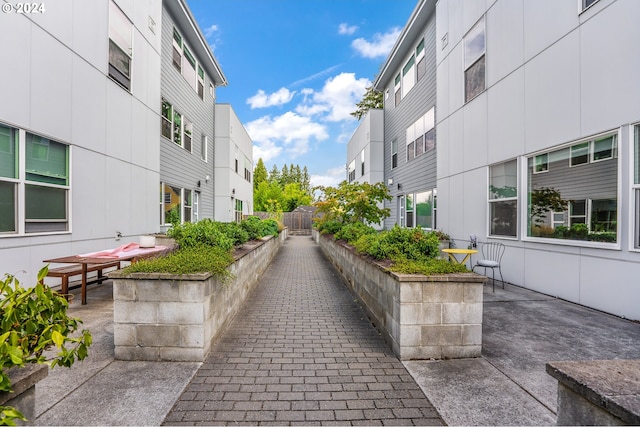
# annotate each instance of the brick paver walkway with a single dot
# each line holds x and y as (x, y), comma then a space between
(301, 351)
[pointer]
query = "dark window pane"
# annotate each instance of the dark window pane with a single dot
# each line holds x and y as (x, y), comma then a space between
(45, 203)
(7, 207)
(474, 79)
(504, 218)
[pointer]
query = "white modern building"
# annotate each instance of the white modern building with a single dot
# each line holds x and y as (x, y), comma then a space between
(106, 129)
(537, 120)
(79, 152)
(233, 166)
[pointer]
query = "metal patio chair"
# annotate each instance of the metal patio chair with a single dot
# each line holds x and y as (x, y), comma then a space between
(491, 258)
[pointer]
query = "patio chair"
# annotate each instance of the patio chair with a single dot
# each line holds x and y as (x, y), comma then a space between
(491, 258)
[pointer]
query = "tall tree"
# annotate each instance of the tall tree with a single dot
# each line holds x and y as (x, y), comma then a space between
(274, 174)
(371, 99)
(259, 174)
(285, 176)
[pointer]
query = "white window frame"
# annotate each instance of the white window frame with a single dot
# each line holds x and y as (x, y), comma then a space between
(204, 148)
(515, 198)
(20, 181)
(634, 178)
(121, 36)
(471, 60)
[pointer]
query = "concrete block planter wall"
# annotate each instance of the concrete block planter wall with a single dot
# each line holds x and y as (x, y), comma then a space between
(23, 382)
(421, 317)
(163, 317)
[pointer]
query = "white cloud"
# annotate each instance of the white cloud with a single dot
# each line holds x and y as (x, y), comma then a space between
(209, 31)
(379, 47)
(337, 98)
(322, 73)
(290, 132)
(331, 178)
(347, 29)
(262, 100)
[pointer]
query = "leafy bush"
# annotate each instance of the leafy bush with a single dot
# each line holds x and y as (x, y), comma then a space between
(31, 321)
(253, 226)
(271, 227)
(330, 227)
(429, 267)
(195, 259)
(352, 232)
(234, 231)
(204, 232)
(399, 242)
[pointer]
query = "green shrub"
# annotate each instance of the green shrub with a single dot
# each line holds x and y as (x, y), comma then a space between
(428, 267)
(254, 226)
(203, 232)
(271, 227)
(195, 259)
(400, 244)
(352, 232)
(234, 231)
(330, 227)
(31, 321)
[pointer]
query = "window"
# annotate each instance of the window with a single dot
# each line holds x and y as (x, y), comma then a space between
(541, 163)
(238, 212)
(185, 62)
(247, 169)
(474, 61)
(352, 171)
(408, 76)
(396, 89)
(362, 163)
(577, 196)
(204, 144)
(39, 202)
(187, 134)
(421, 69)
(394, 153)
(587, 3)
(166, 124)
(636, 183)
(503, 199)
(120, 46)
(401, 207)
(196, 206)
(409, 211)
(420, 135)
(178, 205)
(425, 209)
(188, 206)
(580, 154)
(237, 165)
(200, 82)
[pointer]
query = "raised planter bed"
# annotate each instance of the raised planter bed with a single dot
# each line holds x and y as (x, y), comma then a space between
(421, 317)
(23, 382)
(164, 317)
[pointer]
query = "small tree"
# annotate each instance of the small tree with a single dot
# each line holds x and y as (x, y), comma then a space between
(371, 99)
(545, 200)
(354, 202)
(260, 174)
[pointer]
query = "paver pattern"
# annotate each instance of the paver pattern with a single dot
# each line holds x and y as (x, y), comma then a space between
(302, 352)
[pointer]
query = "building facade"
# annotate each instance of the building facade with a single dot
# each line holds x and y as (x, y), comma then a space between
(190, 75)
(408, 81)
(79, 152)
(233, 167)
(538, 130)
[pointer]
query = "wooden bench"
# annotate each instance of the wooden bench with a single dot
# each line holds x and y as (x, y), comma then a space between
(76, 270)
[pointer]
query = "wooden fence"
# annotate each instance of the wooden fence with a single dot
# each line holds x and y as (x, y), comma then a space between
(296, 222)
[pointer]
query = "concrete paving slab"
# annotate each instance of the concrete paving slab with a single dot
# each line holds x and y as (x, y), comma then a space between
(473, 392)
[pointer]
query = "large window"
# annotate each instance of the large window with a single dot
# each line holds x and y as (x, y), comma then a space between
(175, 127)
(474, 61)
(185, 62)
(420, 135)
(177, 205)
(503, 199)
(636, 183)
(408, 76)
(120, 46)
(34, 190)
(418, 209)
(576, 198)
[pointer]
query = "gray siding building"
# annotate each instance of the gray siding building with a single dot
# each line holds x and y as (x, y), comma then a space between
(408, 81)
(190, 75)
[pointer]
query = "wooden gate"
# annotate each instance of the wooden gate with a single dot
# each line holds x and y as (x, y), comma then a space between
(298, 222)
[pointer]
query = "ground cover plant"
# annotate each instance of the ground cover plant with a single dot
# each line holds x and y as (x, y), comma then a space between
(346, 213)
(33, 320)
(206, 246)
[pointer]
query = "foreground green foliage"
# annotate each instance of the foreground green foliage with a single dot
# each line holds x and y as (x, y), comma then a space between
(428, 268)
(195, 259)
(33, 320)
(400, 243)
(206, 246)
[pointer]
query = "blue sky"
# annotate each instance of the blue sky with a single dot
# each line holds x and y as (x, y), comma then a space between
(296, 69)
